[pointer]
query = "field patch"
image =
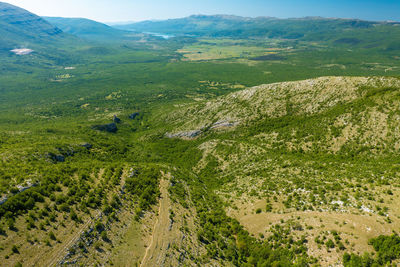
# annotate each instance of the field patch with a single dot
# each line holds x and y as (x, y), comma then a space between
(227, 49)
(268, 57)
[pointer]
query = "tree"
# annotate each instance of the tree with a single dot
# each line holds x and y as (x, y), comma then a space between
(52, 236)
(14, 249)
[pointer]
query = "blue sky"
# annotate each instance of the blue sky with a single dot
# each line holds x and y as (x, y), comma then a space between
(135, 10)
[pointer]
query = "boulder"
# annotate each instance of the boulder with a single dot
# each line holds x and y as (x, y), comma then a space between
(185, 135)
(223, 124)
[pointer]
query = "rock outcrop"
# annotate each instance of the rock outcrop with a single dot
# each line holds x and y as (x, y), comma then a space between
(185, 135)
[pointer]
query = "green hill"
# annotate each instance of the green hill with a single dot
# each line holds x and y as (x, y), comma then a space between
(88, 29)
(351, 32)
(301, 163)
(20, 28)
(226, 25)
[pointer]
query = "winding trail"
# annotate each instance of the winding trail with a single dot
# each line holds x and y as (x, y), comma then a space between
(159, 237)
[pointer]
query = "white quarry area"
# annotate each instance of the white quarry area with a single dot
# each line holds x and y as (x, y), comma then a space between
(22, 51)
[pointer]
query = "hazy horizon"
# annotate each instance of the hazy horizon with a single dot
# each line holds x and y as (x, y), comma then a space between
(120, 11)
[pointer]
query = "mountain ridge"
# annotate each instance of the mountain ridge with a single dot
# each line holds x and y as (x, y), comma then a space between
(86, 28)
(212, 24)
(19, 27)
(271, 100)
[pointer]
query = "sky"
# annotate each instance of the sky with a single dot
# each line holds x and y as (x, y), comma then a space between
(138, 10)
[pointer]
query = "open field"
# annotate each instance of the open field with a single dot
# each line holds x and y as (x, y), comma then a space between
(227, 49)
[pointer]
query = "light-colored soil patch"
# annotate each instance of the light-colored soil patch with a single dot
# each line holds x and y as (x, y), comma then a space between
(354, 228)
(225, 49)
(131, 248)
(22, 51)
(130, 238)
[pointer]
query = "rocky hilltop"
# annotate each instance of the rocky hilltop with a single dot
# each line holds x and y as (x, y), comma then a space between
(313, 159)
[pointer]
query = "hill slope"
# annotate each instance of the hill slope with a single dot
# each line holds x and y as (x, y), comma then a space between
(337, 32)
(88, 29)
(299, 98)
(304, 162)
(225, 25)
(19, 28)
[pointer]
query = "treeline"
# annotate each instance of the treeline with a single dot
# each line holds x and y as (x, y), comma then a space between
(387, 250)
(79, 191)
(143, 184)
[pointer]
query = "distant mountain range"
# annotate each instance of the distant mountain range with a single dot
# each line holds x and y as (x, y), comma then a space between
(235, 26)
(19, 29)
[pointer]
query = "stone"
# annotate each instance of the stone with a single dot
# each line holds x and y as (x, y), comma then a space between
(188, 134)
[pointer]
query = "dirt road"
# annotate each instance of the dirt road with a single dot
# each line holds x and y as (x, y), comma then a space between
(156, 251)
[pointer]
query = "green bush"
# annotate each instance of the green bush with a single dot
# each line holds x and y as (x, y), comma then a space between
(387, 248)
(52, 235)
(14, 249)
(144, 184)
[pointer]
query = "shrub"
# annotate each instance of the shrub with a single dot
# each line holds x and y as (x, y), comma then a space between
(97, 245)
(99, 227)
(268, 208)
(14, 249)
(64, 207)
(74, 216)
(387, 248)
(104, 236)
(52, 236)
(330, 244)
(11, 224)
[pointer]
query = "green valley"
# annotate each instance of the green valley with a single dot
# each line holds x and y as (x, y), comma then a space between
(237, 142)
